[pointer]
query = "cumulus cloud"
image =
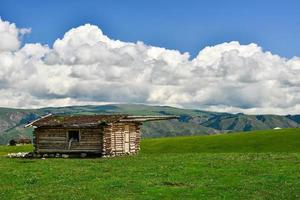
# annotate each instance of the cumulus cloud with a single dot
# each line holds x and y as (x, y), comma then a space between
(87, 67)
(10, 36)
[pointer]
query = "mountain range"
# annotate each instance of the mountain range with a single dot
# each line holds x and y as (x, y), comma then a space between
(190, 122)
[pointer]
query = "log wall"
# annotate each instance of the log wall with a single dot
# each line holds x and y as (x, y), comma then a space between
(56, 140)
(112, 139)
(116, 142)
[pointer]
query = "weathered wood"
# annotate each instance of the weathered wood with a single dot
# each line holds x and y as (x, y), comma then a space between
(68, 151)
(52, 138)
(30, 124)
(51, 142)
(112, 139)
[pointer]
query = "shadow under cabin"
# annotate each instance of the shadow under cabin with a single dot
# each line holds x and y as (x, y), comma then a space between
(103, 135)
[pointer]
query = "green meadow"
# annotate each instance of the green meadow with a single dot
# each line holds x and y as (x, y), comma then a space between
(252, 165)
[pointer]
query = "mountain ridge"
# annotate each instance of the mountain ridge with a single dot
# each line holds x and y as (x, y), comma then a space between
(190, 122)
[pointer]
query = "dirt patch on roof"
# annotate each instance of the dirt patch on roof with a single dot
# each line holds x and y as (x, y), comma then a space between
(77, 120)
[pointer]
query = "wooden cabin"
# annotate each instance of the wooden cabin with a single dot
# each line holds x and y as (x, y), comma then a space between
(106, 135)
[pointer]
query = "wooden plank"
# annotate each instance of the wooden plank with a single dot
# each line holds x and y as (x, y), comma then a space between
(52, 138)
(68, 151)
(86, 148)
(52, 142)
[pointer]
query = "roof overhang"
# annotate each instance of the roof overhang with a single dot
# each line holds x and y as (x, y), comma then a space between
(146, 118)
(30, 124)
(82, 121)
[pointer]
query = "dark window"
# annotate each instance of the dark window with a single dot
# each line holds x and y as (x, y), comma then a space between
(74, 136)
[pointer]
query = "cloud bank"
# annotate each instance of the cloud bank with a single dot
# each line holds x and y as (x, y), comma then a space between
(87, 67)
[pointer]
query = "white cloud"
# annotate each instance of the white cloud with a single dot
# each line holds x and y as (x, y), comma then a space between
(87, 67)
(10, 36)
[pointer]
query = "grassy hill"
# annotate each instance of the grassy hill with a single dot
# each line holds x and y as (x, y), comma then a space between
(283, 140)
(258, 165)
(264, 141)
(191, 122)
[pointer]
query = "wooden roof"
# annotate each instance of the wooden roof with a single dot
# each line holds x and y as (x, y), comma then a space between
(90, 120)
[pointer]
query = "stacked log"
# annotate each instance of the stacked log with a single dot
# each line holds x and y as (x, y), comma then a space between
(56, 140)
(114, 137)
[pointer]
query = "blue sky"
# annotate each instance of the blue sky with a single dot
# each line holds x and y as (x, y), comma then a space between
(187, 26)
(90, 54)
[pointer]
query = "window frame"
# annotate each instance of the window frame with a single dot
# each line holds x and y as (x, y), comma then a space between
(68, 135)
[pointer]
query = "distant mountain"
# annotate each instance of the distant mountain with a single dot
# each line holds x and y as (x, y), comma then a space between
(191, 122)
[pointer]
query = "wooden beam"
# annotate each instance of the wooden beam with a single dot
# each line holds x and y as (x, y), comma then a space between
(30, 124)
(146, 118)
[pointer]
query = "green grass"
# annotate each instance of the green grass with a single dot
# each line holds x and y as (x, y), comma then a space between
(283, 140)
(168, 168)
(4, 150)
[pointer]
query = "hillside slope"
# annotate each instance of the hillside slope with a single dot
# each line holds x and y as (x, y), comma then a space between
(283, 140)
(191, 122)
(167, 168)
